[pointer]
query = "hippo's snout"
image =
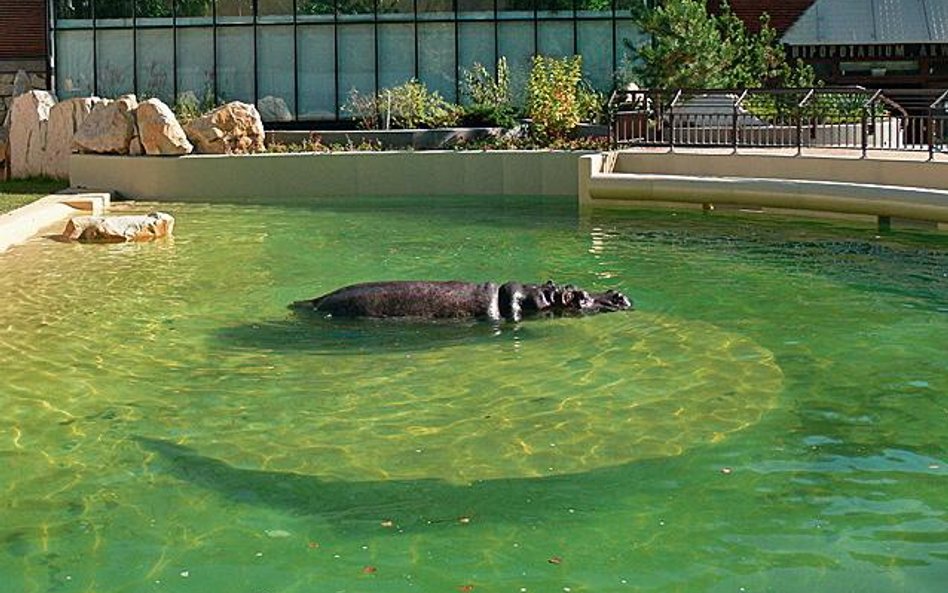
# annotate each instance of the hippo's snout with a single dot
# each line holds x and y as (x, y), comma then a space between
(610, 300)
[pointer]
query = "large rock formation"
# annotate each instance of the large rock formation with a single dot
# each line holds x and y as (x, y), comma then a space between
(110, 128)
(65, 118)
(159, 130)
(119, 229)
(234, 128)
(28, 121)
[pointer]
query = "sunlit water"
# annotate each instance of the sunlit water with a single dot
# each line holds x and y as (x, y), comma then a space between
(772, 417)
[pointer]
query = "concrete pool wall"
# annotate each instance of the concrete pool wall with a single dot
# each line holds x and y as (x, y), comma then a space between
(875, 187)
(287, 176)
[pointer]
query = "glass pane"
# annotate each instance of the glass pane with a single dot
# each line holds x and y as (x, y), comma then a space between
(145, 9)
(595, 8)
(308, 8)
(595, 45)
(196, 63)
(436, 59)
(156, 64)
(235, 11)
(194, 8)
(556, 38)
(274, 11)
(356, 61)
(631, 8)
(275, 69)
(435, 9)
(468, 9)
(72, 9)
(515, 42)
(73, 64)
(396, 9)
(113, 9)
(396, 53)
(362, 9)
(235, 64)
(114, 63)
(515, 9)
(628, 37)
(476, 46)
(562, 9)
(315, 72)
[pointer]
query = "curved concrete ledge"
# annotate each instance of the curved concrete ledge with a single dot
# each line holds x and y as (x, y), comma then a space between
(18, 226)
(826, 196)
(598, 188)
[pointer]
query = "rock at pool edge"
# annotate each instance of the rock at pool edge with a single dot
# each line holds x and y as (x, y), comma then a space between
(119, 229)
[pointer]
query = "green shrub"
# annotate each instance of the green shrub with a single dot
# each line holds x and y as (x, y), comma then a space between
(554, 105)
(189, 107)
(489, 98)
(406, 106)
(593, 105)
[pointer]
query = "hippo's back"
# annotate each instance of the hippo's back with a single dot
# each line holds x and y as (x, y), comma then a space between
(429, 300)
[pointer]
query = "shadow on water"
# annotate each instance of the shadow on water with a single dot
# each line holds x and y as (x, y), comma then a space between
(408, 503)
(325, 336)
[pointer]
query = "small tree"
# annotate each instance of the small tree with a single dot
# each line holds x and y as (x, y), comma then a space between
(553, 96)
(694, 49)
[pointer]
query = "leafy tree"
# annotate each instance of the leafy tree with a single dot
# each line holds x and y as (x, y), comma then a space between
(694, 49)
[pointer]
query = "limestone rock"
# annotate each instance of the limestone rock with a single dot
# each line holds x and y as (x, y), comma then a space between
(4, 144)
(4, 153)
(159, 130)
(135, 147)
(22, 83)
(109, 128)
(274, 109)
(234, 128)
(119, 229)
(28, 121)
(65, 118)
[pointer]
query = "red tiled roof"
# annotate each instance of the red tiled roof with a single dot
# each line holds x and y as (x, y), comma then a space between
(783, 13)
(22, 29)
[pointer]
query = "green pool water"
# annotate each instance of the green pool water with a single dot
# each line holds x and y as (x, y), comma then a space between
(772, 417)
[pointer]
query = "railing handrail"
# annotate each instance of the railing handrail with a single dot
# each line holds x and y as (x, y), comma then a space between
(941, 98)
(851, 117)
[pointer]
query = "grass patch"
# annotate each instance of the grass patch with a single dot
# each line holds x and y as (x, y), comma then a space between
(19, 192)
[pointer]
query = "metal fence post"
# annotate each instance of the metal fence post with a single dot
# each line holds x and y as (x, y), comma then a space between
(931, 133)
(734, 127)
(799, 118)
(865, 130)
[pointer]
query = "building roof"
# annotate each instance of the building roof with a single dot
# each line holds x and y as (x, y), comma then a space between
(783, 13)
(842, 22)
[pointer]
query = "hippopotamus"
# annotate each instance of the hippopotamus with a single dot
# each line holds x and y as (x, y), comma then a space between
(511, 301)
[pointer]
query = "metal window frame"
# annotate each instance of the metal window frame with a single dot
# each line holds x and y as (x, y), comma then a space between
(408, 17)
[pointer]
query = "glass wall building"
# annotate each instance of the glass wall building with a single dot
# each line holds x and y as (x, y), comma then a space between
(310, 54)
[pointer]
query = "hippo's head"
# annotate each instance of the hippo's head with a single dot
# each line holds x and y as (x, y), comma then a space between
(552, 299)
(570, 299)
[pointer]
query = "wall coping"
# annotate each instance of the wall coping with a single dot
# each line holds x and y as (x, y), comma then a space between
(25, 222)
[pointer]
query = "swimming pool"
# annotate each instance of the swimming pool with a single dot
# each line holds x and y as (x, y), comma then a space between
(772, 417)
